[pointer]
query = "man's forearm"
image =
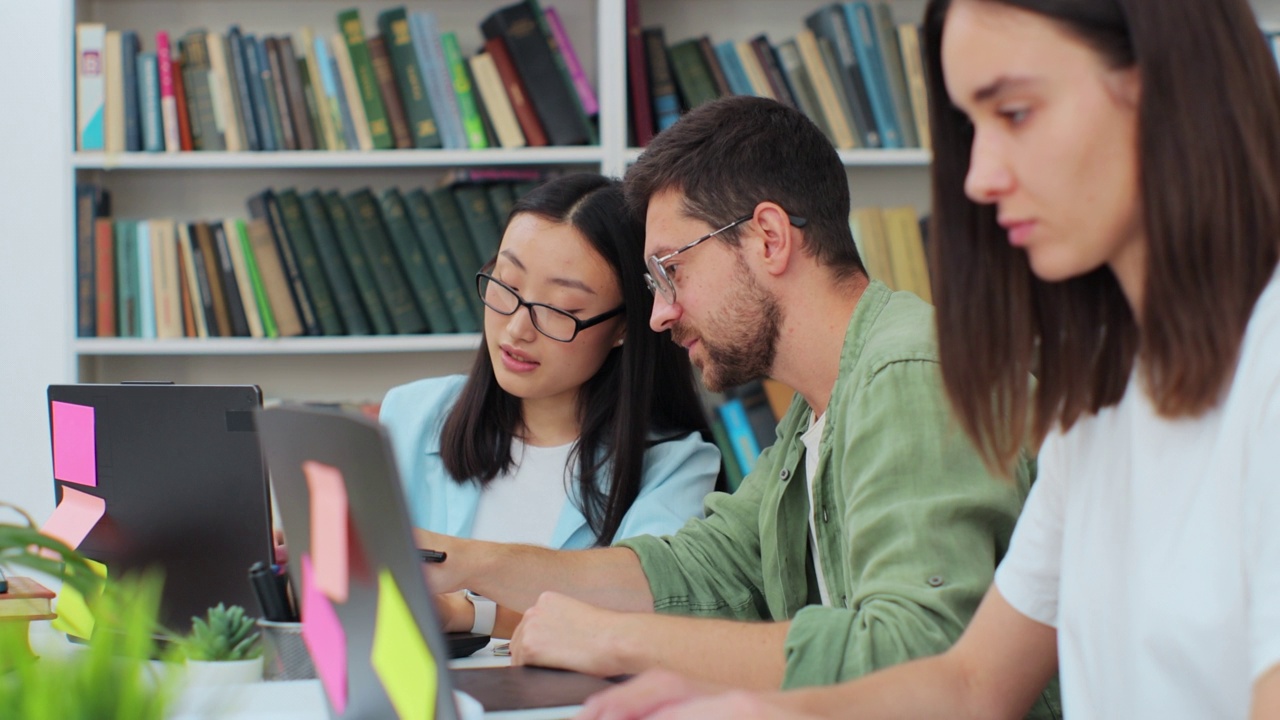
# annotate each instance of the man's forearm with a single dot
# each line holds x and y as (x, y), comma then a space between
(746, 655)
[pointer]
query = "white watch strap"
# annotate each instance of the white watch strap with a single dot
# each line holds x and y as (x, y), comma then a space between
(486, 613)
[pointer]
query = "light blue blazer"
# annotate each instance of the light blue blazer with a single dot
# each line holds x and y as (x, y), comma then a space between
(677, 473)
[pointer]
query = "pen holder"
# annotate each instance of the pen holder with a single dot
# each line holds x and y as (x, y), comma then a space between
(284, 655)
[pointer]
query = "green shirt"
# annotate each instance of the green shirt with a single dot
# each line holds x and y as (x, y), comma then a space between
(910, 523)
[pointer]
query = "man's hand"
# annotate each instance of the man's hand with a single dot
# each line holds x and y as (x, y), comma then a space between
(734, 705)
(561, 632)
(649, 693)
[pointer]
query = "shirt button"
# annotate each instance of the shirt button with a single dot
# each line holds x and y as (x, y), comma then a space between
(785, 475)
(824, 515)
(935, 581)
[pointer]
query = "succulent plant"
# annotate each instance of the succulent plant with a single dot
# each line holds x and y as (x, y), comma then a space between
(226, 633)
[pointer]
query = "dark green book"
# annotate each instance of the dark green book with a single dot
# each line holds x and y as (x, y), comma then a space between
(502, 198)
(396, 296)
(128, 310)
(304, 249)
(366, 284)
(459, 293)
(345, 297)
(394, 26)
(693, 77)
(426, 290)
(370, 97)
(456, 235)
(557, 55)
(478, 215)
(311, 102)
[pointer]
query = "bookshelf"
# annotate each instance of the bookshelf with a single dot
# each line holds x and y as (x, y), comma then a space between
(216, 184)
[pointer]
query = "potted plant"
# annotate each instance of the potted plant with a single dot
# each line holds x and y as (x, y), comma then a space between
(114, 675)
(223, 647)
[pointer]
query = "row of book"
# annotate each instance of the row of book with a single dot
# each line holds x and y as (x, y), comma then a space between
(892, 242)
(745, 422)
(852, 69)
(408, 86)
(303, 263)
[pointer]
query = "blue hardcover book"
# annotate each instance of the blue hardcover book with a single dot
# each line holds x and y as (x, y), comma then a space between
(240, 72)
(146, 283)
(340, 92)
(440, 92)
(149, 102)
(741, 436)
(129, 47)
(862, 28)
(727, 54)
(328, 74)
(268, 91)
(258, 91)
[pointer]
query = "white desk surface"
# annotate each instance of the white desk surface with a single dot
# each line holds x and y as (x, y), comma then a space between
(283, 700)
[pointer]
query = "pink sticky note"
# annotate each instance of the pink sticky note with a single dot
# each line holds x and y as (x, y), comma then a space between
(329, 546)
(74, 517)
(325, 639)
(74, 447)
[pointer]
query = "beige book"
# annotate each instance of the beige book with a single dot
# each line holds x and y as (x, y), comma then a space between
(913, 66)
(755, 74)
(331, 135)
(224, 105)
(274, 281)
(165, 278)
(193, 281)
(347, 74)
(244, 284)
(906, 248)
(496, 101)
(823, 85)
(113, 103)
(868, 232)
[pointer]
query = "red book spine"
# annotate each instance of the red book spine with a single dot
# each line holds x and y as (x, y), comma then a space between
(638, 74)
(104, 276)
(180, 96)
(520, 102)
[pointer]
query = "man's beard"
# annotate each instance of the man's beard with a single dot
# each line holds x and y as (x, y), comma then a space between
(745, 341)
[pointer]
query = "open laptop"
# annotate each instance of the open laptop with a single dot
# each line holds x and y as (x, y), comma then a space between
(381, 560)
(180, 471)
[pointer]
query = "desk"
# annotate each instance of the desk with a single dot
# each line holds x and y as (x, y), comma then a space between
(287, 700)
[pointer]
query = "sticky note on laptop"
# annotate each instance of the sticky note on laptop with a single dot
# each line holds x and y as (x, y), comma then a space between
(329, 545)
(74, 443)
(76, 515)
(325, 639)
(400, 656)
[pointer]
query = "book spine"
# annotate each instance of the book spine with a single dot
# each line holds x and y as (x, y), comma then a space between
(913, 67)
(304, 249)
(126, 259)
(229, 238)
(586, 94)
(275, 281)
(146, 281)
(113, 101)
(280, 91)
(327, 133)
(90, 85)
(149, 101)
(772, 73)
(734, 73)
(168, 96)
(793, 68)
(857, 16)
(392, 286)
(129, 48)
(666, 103)
(485, 233)
(260, 299)
(333, 100)
(819, 66)
(394, 26)
(312, 103)
(471, 123)
(426, 43)
(297, 95)
(489, 84)
(380, 58)
(351, 92)
(692, 76)
(760, 86)
(223, 92)
(638, 78)
(886, 34)
(456, 291)
(270, 102)
(217, 289)
(422, 284)
(205, 134)
(258, 92)
(741, 436)
(189, 259)
(345, 298)
(348, 123)
(104, 277)
(370, 97)
(165, 267)
(530, 125)
(244, 89)
(712, 61)
(267, 206)
(86, 267)
(365, 282)
(454, 230)
(562, 67)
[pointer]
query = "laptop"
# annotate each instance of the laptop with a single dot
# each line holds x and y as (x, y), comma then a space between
(381, 578)
(179, 469)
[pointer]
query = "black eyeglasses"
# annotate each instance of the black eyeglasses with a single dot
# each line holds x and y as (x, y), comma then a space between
(557, 324)
(661, 283)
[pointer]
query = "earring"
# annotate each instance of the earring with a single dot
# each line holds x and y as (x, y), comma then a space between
(619, 343)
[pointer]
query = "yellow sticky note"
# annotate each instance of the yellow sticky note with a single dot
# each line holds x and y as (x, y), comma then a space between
(400, 655)
(74, 616)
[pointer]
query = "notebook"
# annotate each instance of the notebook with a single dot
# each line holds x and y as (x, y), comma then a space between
(377, 644)
(180, 472)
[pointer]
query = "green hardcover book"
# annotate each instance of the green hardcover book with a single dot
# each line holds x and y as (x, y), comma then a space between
(456, 235)
(312, 102)
(471, 122)
(304, 249)
(397, 297)
(693, 77)
(593, 137)
(366, 284)
(128, 310)
(345, 297)
(478, 215)
(269, 327)
(502, 198)
(457, 291)
(196, 71)
(423, 284)
(370, 96)
(394, 26)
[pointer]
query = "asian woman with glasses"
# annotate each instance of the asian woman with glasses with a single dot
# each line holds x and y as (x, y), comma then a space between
(577, 425)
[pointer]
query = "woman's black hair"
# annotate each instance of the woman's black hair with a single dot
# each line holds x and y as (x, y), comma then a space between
(643, 393)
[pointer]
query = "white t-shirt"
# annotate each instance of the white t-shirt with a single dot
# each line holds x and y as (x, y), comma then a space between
(811, 438)
(1153, 546)
(524, 505)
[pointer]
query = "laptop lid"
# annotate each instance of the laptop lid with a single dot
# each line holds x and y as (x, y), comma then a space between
(180, 471)
(307, 449)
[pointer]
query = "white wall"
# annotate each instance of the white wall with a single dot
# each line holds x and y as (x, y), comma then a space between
(35, 241)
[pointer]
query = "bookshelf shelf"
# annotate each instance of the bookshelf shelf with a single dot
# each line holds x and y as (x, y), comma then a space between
(296, 160)
(341, 345)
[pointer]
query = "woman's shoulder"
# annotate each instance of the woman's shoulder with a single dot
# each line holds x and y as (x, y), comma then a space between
(420, 398)
(674, 450)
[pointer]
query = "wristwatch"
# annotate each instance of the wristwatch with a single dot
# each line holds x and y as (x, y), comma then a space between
(486, 613)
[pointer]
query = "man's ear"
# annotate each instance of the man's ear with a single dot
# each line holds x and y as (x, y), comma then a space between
(779, 239)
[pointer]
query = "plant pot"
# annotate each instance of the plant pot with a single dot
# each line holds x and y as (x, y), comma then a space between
(224, 672)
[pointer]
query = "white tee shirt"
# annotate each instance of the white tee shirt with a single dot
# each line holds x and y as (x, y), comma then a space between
(524, 505)
(1153, 546)
(811, 439)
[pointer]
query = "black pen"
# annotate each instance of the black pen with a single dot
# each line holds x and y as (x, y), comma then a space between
(433, 556)
(267, 589)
